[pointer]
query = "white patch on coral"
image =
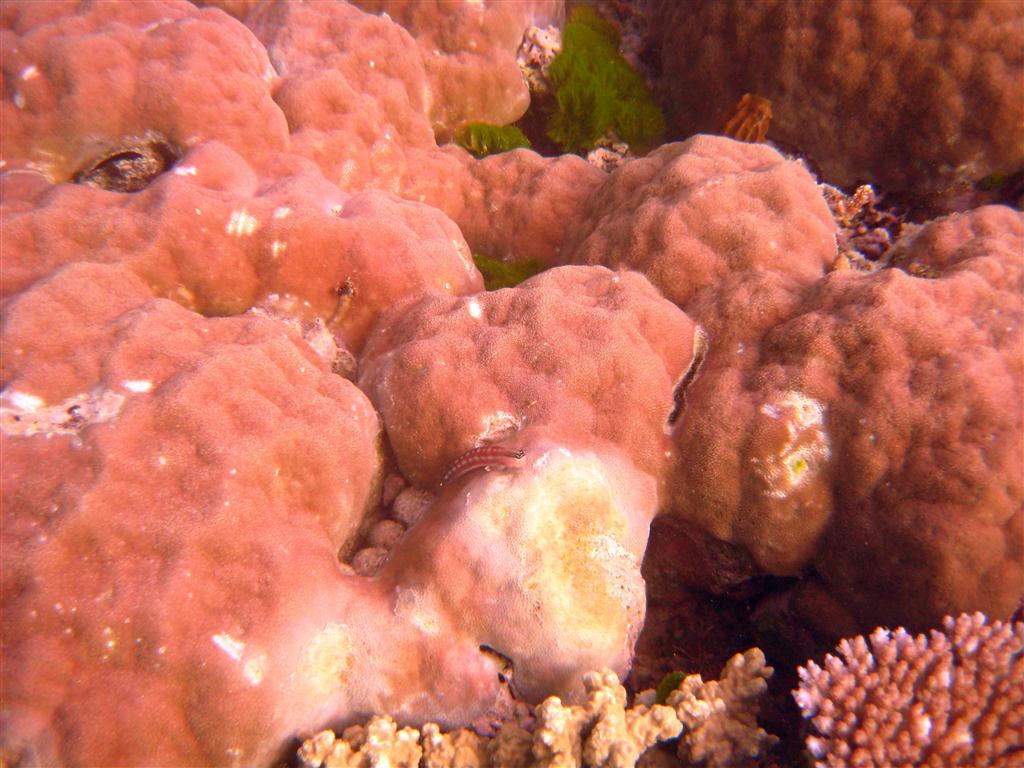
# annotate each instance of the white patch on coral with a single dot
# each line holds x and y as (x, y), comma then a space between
(27, 415)
(254, 668)
(498, 426)
(475, 311)
(277, 248)
(282, 212)
(414, 607)
(805, 448)
(241, 223)
(348, 170)
(23, 400)
(29, 72)
(138, 385)
(232, 647)
(19, 99)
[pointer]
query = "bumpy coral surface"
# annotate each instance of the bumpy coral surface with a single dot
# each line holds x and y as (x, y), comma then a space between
(566, 352)
(911, 94)
(692, 214)
(141, 544)
(871, 432)
(949, 698)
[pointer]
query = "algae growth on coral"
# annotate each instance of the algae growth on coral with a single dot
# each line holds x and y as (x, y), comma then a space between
(596, 91)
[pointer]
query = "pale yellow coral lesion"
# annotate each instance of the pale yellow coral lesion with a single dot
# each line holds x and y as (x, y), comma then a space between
(328, 660)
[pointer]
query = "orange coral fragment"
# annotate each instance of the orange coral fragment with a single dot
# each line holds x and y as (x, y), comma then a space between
(750, 119)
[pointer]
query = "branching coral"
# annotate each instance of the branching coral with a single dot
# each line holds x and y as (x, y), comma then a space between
(949, 698)
(717, 720)
(720, 718)
(600, 733)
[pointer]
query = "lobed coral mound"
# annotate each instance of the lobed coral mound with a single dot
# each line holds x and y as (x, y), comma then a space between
(242, 324)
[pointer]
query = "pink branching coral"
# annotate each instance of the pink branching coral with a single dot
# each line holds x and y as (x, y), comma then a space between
(950, 698)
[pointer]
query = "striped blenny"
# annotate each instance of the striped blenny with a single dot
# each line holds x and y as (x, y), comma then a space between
(483, 457)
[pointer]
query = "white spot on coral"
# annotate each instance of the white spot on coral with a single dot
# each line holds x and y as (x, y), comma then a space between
(282, 212)
(185, 170)
(138, 385)
(336, 209)
(232, 647)
(254, 668)
(277, 248)
(241, 223)
(161, 460)
(348, 170)
(474, 309)
(19, 99)
(29, 72)
(412, 605)
(372, 63)
(23, 400)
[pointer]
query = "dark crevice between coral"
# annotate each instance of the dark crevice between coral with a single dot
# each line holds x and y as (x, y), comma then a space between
(700, 350)
(131, 167)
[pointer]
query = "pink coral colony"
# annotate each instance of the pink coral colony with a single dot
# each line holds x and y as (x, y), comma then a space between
(763, 392)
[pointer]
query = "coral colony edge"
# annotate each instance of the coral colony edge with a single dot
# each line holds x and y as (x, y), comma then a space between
(520, 383)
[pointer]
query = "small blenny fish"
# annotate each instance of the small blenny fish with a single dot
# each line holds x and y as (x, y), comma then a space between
(483, 457)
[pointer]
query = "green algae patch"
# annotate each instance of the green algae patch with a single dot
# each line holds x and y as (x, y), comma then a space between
(497, 274)
(668, 684)
(596, 91)
(482, 139)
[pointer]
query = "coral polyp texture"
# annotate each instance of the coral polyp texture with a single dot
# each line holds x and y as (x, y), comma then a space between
(274, 460)
(949, 698)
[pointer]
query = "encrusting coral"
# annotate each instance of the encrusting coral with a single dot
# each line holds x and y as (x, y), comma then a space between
(952, 697)
(716, 724)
